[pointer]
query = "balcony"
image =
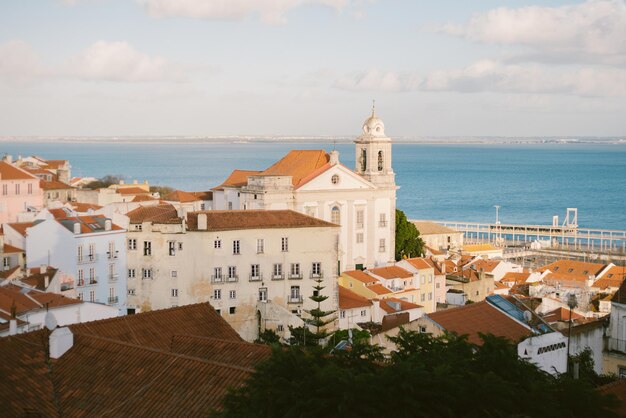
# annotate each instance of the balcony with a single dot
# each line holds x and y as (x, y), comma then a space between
(112, 256)
(217, 278)
(317, 275)
(278, 276)
(224, 279)
(232, 279)
(256, 277)
(297, 299)
(66, 286)
(90, 258)
(382, 224)
(295, 276)
(113, 300)
(87, 282)
(113, 277)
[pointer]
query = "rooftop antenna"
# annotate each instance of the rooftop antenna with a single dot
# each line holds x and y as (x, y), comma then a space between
(373, 107)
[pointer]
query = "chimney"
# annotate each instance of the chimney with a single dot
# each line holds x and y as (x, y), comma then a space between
(135, 182)
(8, 158)
(76, 228)
(107, 224)
(61, 340)
(202, 221)
(375, 310)
(46, 282)
(13, 321)
(43, 268)
(334, 157)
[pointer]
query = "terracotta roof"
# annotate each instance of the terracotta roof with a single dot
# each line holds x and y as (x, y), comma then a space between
(23, 300)
(11, 172)
(238, 353)
(20, 227)
(181, 196)
(226, 220)
(392, 272)
(435, 265)
(404, 305)
(55, 164)
(88, 224)
(479, 247)
(512, 277)
(433, 228)
(38, 171)
(313, 174)
(561, 314)
(237, 178)
(419, 263)
(5, 274)
(612, 277)
(566, 280)
(479, 317)
(379, 289)
(486, 265)
(434, 251)
(574, 268)
(131, 190)
(161, 213)
(84, 207)
(298, 164)
(9, 249)
(143, 198)
(350, 300)
(207, 195)
(155, 329)
(499, 285)
(54, 185)
(37, 279)
(360, 276)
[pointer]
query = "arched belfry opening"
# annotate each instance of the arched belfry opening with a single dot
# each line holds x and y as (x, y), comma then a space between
(363, 159)
(380, 161)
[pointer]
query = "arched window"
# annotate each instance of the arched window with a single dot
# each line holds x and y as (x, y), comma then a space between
(380, 161)
(363, 160)
(335, 215)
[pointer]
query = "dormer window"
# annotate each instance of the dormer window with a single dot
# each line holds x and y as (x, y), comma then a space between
(570, 270)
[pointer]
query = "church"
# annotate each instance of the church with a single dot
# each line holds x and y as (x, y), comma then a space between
(314, 182)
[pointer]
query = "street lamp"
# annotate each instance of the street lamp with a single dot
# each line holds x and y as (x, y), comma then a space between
(571, 303)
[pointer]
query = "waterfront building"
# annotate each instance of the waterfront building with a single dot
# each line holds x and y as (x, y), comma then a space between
(90, 250)
(257, 268)
(56, 191)
(439, 237)
(59, 170)
(19, 192)
(315, 183)
(185, 202)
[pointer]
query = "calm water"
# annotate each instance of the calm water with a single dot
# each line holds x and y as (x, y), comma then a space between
(446, 182)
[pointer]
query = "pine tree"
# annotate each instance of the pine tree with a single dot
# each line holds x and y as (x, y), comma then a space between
(318, 320)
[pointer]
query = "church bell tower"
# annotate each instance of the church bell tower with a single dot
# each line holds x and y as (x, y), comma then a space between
(373, 153)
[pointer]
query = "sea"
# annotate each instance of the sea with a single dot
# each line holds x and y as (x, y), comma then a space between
(454, 182)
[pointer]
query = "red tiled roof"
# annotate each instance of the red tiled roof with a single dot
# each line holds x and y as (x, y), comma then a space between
(512, 277)
(392, 272)
(379, 289)
(143, 198)
(238, 353)
(162, 213)
(573, 268)
(561, 314)
(419, 263)
(11, 294)
(479, 317)
(11, 172)
(350, 300)
(37, 279)
(298, 164)
(404, 305)
(55, 164)
(226, 220)
(360, 276)
(486, 265)
(20, 227)
(54, 185)
(131, 190)
(613, 277)
(237, 178)
(181, 196)
(206, 195)
(9, 249)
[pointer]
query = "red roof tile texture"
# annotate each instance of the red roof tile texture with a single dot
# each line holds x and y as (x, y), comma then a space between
(392, 272)
(10, 172)
(350, 300)
(162, 213)
(181, 196)
(225, 220)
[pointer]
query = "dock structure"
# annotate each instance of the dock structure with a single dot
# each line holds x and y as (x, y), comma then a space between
(569, 237)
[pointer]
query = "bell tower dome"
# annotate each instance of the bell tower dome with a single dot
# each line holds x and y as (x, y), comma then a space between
(373, 153)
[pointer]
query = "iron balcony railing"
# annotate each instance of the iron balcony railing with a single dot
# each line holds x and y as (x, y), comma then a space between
(318, 275)
(89, 258)
(113, 299)
(295, 276)
(113, 277)
(297, 299)
(224, 279)
(278, 276)
(256, 277)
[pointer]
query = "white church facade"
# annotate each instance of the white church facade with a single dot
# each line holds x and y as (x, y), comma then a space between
(314, 182)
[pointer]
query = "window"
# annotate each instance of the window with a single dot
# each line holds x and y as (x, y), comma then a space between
(219, 312)
(171, 247)
(430, 278)
(180, 246)
(232, 310)
(232, 294)
(423, 279)
(342, 314)
(334, 179)
(131, 291)
(111, 294)
(284, 244)
(30, 188)
(230, 205)
(254, 270)
(335, 215)
(17, 189)
(316, 269)
(232, 272)
(423, 297)
(6, 262)
(259, 246)
(382, 220)
(92, 295)
(80, 296)
(295, 270)
(132, 244)
(381, 245)
(380, 161)
(217, 243)
(174, 274)
(202, 206)
(80, 253)
(217, 274)
(430, 296)
(263, 294)
(5, 189)
(131, 273)
(81, 277)
(236, 247)
(92, 252)
(437, 285)
(363, 312)
(359, 237)
(138, 227)
(217, 294)
(278, 270)
(147, 248)
(295, 294)
(363, 160)
(359, 218)
(92, 276)
(174, 293)
(146, 273)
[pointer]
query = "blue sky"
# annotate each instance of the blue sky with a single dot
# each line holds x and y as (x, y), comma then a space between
(312, 67)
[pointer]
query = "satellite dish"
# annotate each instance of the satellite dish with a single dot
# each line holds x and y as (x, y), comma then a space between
(528, 316)
(50, 321)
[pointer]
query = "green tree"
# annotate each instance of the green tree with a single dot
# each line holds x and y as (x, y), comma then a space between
(318, 319)
(105, 181)
(426, 376)
(408, 241)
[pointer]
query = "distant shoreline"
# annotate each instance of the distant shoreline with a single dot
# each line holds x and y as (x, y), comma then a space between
(318, 139)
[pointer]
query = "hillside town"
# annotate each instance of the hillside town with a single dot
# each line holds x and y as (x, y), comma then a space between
(122, 277)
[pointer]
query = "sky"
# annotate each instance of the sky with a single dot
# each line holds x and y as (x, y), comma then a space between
(312, 67)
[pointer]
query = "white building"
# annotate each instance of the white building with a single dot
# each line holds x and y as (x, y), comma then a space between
(315, 183)
(257, 268)
(91, 250)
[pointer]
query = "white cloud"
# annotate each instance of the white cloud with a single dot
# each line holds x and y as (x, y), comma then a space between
(376, 80)
(19, 62)
(590, 32)
(270, 11)
(120, 61)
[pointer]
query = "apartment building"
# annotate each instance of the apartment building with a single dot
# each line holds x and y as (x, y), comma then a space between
(256, 268)
(19, 193)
